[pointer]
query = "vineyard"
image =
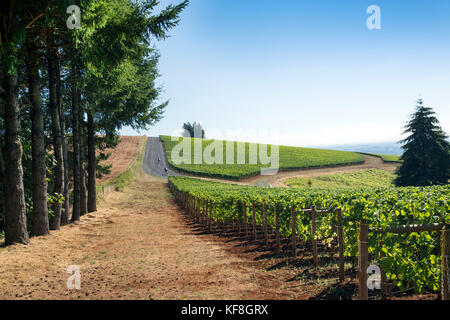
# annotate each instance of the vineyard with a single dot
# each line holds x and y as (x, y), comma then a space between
(368, 178)
(289, 158)
(387, 157)
(410, 259)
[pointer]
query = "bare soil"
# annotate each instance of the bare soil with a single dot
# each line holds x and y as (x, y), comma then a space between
(278, 180)
(139, 245)
(121, 156)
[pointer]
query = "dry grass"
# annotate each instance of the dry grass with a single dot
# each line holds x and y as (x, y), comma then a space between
(137, 246)
(121, 156)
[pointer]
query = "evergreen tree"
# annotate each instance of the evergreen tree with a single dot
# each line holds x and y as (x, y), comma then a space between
(426, 156)
(193, 130)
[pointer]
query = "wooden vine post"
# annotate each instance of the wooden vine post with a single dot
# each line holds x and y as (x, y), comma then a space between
(266, 238)
(239, 223)
(244, 218)
(254, 220)
(363, 259)
(198, 210)
(208, 205)
(383, 278)
(205, 212)
(277, 228)
(293, 233)
(194, 208)
(313, 236)
(190, 205)
(210, 218)
(203, 215)
(340, 244)
(445, 247)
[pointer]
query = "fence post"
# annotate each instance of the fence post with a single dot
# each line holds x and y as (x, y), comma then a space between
(205, 211)
(254, 220)
(210, 220)
(277, 227)
(340, 244)
(383, 278)
(244, 216)
(197, 204)
(202, 211)
(445, 248)
(266, 238)
(293, 235)
(363, 259)
(313, 235)
(197, 209)
(239, 222)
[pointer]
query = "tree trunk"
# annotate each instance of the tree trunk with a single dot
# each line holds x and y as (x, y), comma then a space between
(39, 220)
(15, 223)
(83, 195)
(76, 147)
(2, 171)
(62, 118)
(92, 188)
(55, 220)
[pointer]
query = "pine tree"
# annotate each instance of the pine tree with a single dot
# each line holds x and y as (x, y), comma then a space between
(426, 155)
(193, 130)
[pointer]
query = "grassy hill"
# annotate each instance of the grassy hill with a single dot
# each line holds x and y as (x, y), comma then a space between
(358, 179)
(388, 157)
(289, 158)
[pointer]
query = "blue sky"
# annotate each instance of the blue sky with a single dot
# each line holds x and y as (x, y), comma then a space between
(309, 71)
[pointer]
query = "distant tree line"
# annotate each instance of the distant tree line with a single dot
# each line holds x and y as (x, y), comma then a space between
(68, 84)
(193, 130)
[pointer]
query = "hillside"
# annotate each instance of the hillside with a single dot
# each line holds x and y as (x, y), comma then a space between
(121, 156)
(368, 178)
(289, 158)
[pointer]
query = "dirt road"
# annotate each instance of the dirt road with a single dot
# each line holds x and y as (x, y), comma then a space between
(154, 151)
(140, 245)
(279, 179)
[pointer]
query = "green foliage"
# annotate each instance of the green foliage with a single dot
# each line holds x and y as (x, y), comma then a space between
(426, 156)
(410, 260)
(369, 178)
(389, 158)
(289, 158)
(194, 130)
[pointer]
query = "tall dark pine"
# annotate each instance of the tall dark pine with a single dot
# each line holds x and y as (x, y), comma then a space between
(55, 219)
(15, 223)
(14, 215)
(426, 151)
(39, 220)
(76, 146)
(83, 194)
(92, 165)
(62, 118)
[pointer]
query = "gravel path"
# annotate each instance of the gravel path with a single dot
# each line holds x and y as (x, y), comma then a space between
(155, 150)
(141, 245)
